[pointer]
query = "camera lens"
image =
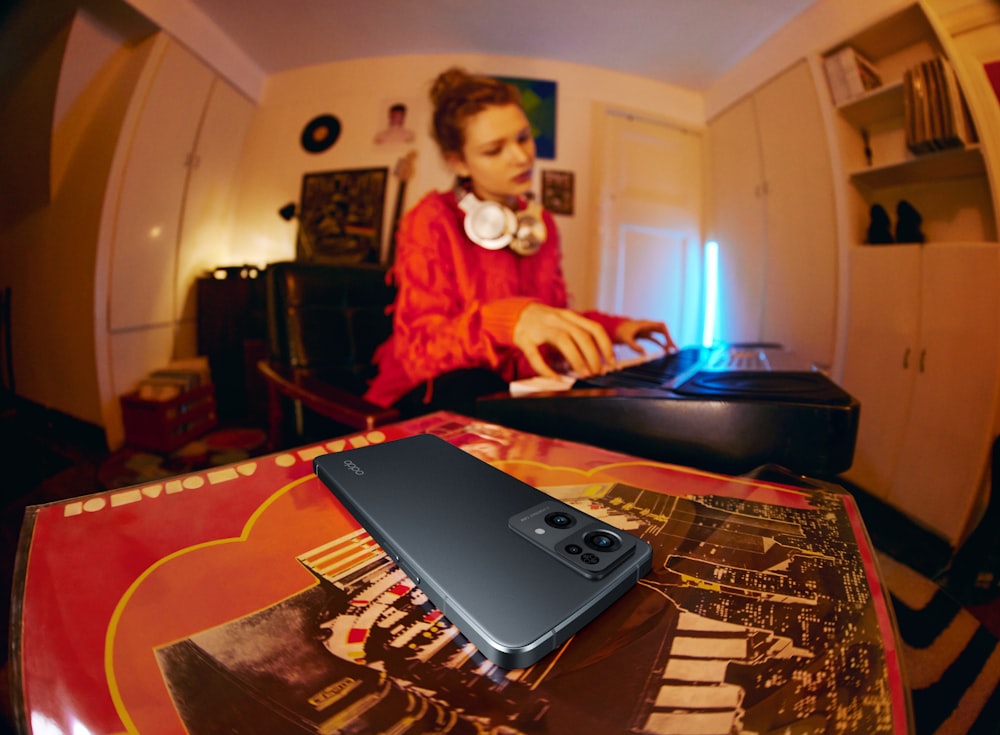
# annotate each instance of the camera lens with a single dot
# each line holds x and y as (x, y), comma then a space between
(573, 549)
(602, 541)
(559, 520)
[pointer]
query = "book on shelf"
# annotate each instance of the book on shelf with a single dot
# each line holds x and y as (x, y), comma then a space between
(160, 388)
(181, 376)
(935, 111)
(186, 379)
(849, 75)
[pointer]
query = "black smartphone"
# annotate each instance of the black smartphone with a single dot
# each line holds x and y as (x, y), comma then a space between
(517, 571)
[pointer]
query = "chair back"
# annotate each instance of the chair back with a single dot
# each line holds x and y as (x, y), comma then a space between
(326, 321)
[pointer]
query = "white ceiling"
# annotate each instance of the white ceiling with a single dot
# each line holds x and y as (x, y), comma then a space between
(689, 43)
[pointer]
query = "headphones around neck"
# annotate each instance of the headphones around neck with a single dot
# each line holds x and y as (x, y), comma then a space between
(493, 226)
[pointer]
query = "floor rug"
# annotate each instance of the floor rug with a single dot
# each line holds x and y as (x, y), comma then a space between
(951, 661)
(28, 462)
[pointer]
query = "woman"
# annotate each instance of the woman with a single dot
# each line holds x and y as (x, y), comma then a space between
(481, 297)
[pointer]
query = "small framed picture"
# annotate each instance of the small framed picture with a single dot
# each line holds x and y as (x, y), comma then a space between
(396, 124)
(557, 191)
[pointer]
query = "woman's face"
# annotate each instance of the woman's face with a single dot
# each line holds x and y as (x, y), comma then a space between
(498, 155)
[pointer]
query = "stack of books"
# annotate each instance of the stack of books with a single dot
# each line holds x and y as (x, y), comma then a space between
(849, 75)
(181, 376)
(936, 114)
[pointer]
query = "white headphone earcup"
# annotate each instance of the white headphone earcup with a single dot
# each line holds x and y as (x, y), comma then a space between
(493, 226)
(488, 224)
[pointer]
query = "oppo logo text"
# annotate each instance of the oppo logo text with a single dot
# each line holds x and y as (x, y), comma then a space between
(353, 467)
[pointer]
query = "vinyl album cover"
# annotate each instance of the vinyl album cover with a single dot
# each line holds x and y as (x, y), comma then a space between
(245, 599)
(743, 626)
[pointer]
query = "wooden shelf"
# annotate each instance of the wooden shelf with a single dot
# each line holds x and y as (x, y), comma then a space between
(880, 104)
(945, 165)
(889, 36)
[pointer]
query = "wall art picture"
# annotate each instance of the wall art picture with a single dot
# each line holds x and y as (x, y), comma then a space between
(340, 216)
(557, 191)
(539, 100)
(395, 127)
(992, 69)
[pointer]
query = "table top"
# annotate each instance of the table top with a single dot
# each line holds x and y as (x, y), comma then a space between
(244, 598)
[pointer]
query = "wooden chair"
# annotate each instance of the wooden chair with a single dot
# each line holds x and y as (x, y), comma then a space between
(324, 323)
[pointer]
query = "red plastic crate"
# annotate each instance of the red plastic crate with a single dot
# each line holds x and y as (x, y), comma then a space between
(163, 426)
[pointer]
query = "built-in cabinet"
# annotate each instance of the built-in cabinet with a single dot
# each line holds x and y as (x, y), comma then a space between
(147, 218)
(922, 323)
(772, 214)
(167, 216)
(911, 330)
(923, 349)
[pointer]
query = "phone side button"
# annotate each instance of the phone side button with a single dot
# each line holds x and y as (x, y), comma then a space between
(390, 552)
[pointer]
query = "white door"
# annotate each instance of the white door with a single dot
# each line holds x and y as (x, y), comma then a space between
(738, 223)
(946, 447)
(143, 257)
(883, 322)
(772, 213)
(650, 263)
(209, 204)
(800, 287)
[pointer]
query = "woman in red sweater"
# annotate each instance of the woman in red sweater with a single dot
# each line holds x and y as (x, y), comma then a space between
(481, 297)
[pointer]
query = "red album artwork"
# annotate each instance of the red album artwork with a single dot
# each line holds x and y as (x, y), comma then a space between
(249, 601)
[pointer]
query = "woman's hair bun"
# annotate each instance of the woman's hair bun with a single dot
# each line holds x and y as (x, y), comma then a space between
(457, 95)
(447, 82)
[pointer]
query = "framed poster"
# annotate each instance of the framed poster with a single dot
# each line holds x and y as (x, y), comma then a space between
(340, 216)
(538, 97)
(557, 191)
(992, 69)
(395, 127)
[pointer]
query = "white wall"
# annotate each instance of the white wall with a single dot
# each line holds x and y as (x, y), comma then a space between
(358, 93)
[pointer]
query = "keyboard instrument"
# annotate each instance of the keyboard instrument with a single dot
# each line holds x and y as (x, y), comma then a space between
(725, 409)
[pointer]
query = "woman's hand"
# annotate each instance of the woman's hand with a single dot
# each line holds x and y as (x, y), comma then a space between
(583, 342)
(630, 331)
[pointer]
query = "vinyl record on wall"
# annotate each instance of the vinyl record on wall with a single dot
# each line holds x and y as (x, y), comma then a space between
(321, 133)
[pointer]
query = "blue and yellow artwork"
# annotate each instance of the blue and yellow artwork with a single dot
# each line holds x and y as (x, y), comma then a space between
(539, 100)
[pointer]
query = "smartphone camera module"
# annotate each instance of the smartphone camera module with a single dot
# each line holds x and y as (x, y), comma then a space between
(587, 545)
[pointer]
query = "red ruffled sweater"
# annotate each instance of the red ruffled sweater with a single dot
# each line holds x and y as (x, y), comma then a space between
(457, 303)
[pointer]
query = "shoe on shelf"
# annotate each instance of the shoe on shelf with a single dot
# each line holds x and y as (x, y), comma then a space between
(908, 221)
(880, 228)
